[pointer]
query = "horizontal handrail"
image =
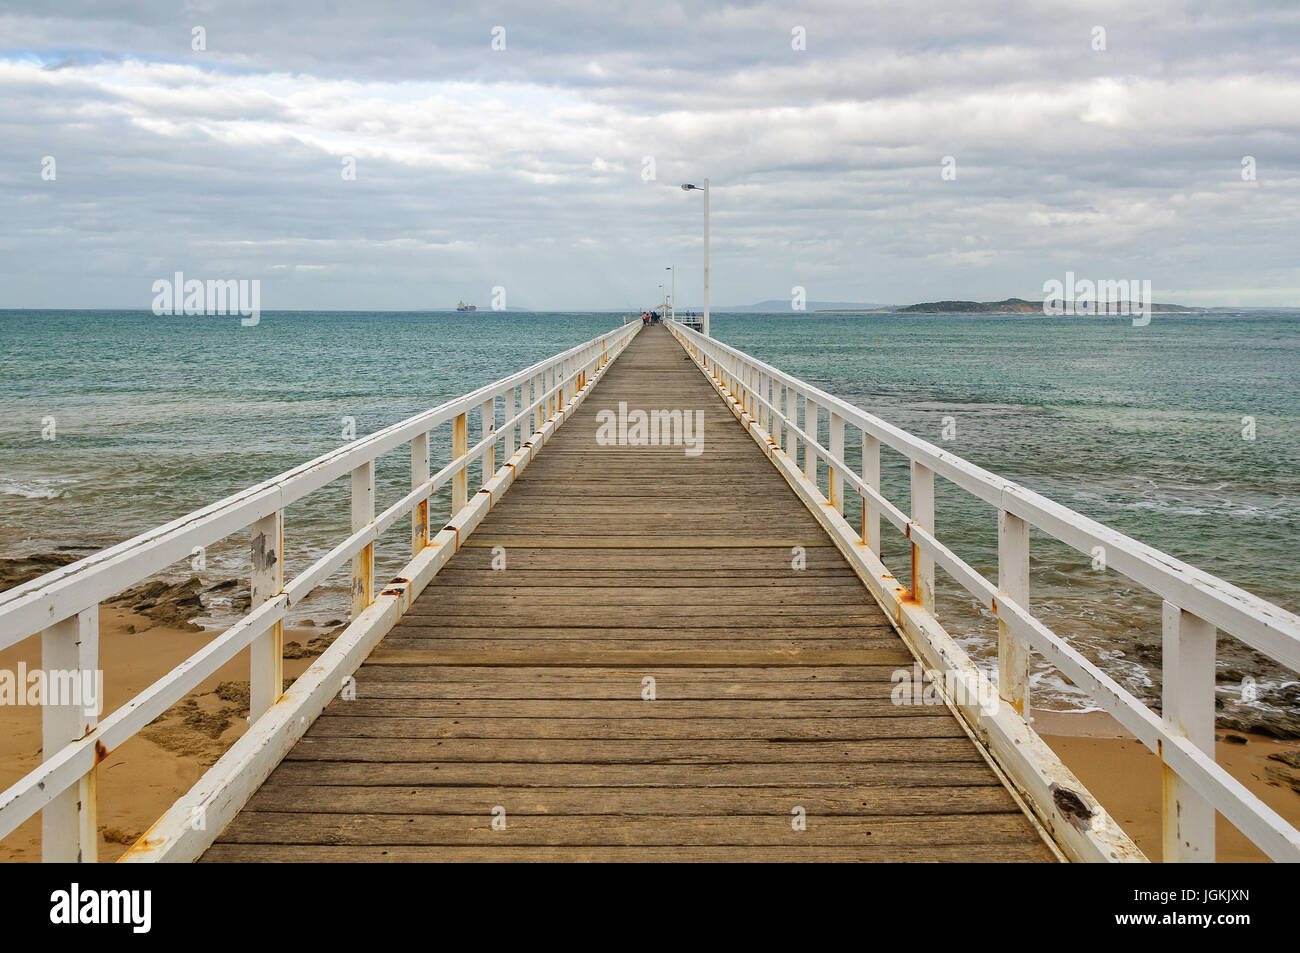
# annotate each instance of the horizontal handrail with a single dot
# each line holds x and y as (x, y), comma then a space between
(1266, 627)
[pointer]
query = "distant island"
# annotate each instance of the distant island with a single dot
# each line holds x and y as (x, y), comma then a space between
(1005, 306)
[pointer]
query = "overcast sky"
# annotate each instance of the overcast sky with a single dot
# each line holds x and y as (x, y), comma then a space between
(525, 167)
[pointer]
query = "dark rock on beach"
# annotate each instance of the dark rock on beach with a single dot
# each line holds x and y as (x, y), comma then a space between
(294, 650)
(240, 596)
(16, 570)
(1285, 726)
(1289, 771)
(172, 604)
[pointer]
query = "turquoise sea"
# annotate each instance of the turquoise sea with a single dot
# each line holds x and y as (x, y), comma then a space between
(1140, 428)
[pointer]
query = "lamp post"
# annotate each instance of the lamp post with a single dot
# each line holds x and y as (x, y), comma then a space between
(687, 187)
(673, 269)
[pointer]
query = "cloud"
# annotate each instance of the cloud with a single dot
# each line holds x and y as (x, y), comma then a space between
(525, 167)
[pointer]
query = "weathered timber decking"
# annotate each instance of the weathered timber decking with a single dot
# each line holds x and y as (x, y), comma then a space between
(522, 688)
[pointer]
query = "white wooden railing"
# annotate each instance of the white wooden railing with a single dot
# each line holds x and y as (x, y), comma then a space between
(62, 606)
(785, 412)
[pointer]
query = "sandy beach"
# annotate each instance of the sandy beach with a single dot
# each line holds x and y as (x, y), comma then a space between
(142, 778)
(1125, 777)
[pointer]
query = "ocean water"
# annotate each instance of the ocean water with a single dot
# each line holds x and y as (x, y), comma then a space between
(1139, 428)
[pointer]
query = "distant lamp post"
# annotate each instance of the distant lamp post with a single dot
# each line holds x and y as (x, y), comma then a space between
(687, 187)
(673, 269)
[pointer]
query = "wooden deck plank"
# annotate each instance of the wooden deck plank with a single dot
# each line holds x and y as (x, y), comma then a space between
(1010, 852)
(620, 678)
(683, 801)
(287, 827)
(545, 709)
(522, 687)
(677, 643)
(437, 628)
(565, 657)
(420, 728)
(939, 752)
(575, 688)
(809, 775)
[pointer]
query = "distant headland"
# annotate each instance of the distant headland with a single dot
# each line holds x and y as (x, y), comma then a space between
(1005, 306)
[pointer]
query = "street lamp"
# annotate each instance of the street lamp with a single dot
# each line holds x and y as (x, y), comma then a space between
(673, 269)
(687, 187)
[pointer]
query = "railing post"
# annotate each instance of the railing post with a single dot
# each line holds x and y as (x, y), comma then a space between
(775, 432)
(508, 448)
(538, 386)
(1013, 581)
(923, 516)
(69, 828)
(810, 428)
(1187, 703)
(363, 513)
(266, 652)
(836, 484)
(792, 421)
(419, 474)
(871, 477)
(488, 413)
(460, 479)
(770, 391)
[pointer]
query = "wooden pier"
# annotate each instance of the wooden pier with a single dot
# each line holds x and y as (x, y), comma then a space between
(632, 642)
(524, 688)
